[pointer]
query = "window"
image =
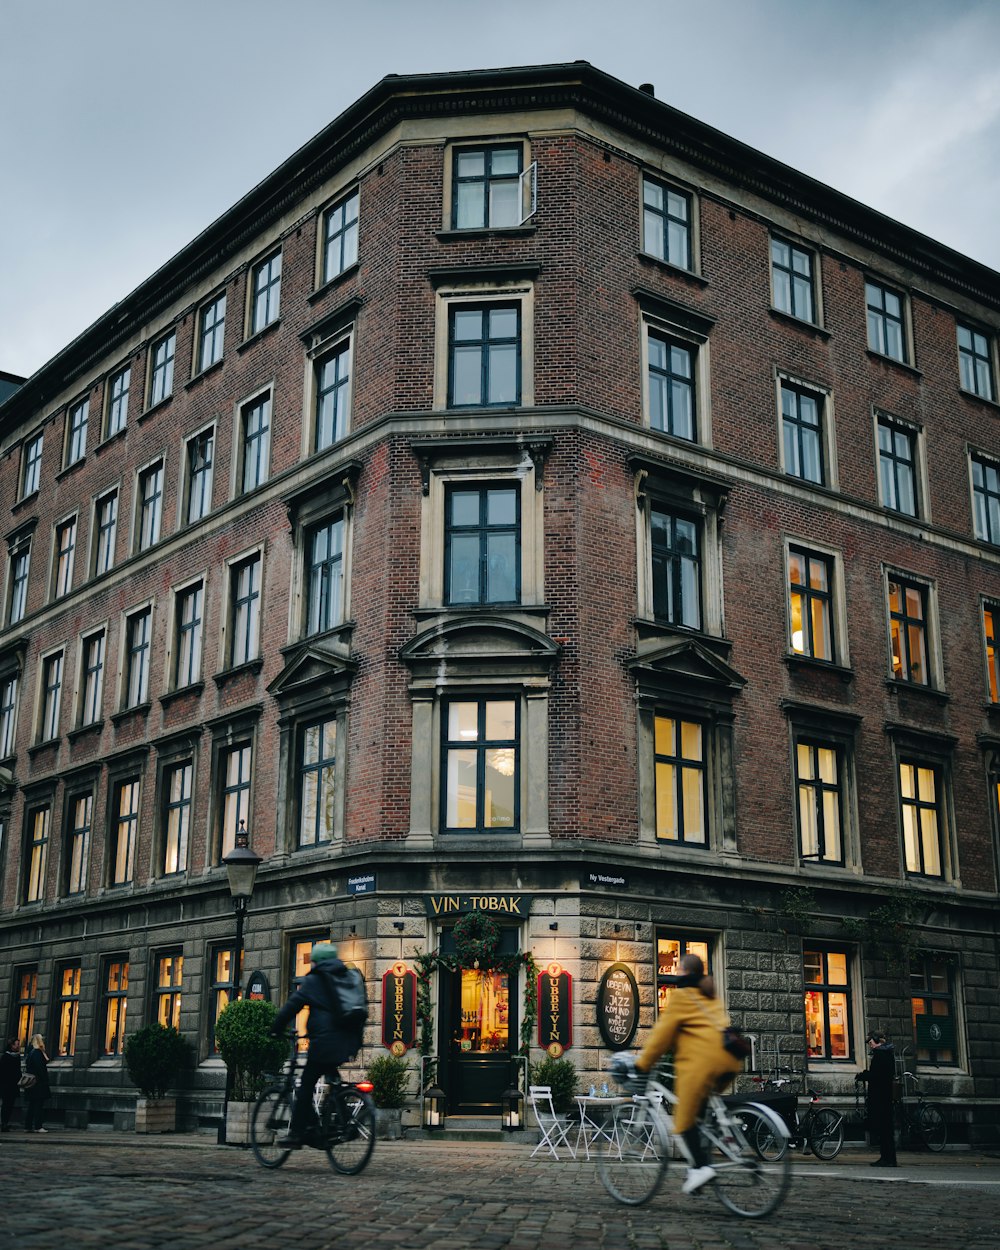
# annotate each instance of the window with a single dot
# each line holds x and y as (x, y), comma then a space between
(52, 674)
(223, 984)
(908, 631)
(26, 980)
(200, 450)
(487, 188)
(666, 223)
(169, 974)
(118, 389)
(340, 237)
(676, 568)
(31, 472)
(897, 461)
(818, 783)
(300, 960)
(62, 582)
(827, 1003)
(36, 854)
(161, 383)
(317, 783)
(932, 1001)
(92, 674)
(481, 766)
(187, 668)
(680, 781)
(20, 561)
(975, 366)
(137, 641)
(235, 794)
(114, 1005)
(325, 575)
(886, 330)
(76, 431)
(802, 433)
(810, 601)
(671, 385)
(333, 396)
(990, 611)
(106, 514)
(670, 950)
(484, 356)
(792, 280)
(986, 499)
(245, 595)
(69, 1008)
(211, 332)
(150, 506)
(482, 545)
(81, 814)
(125, 829)
(265, 293)
(8, 715)
(255, 431)
(177, 817)
(920, 804)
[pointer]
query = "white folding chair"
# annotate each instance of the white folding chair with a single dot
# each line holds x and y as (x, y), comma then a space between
(554, 1133)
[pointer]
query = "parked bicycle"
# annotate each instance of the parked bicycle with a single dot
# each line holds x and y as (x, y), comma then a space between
(344, 1126)
(634, 1161)
(820, 1130)
(923, 1121)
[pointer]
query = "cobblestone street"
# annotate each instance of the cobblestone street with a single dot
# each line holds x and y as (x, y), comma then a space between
(78, 1190)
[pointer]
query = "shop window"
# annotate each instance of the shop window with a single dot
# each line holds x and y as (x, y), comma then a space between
(932, 1003)
(68, 1006)
(681, 807)
(670, 949)
(25, 1002)
(484, 1019)
(223, 965)
(666, 223)
(169, 976)
(36, 854)
(114, 1005)
(81, 816)
(827, 1004)
(265, 293)
(482, 544)
(481, 757)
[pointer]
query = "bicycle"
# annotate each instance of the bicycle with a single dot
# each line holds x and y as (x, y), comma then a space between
(820, 1130)
(344, 1125)
(634, 1162)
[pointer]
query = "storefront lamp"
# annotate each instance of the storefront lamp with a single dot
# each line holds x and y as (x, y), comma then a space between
(241, 868)
(512, 1110)
(434, 1100)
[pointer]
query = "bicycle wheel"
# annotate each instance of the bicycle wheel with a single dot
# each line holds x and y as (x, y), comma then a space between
(272, 1116)
(769, 1144)
(932, 1125)
(633, 1163)
(350, 1130)
(745, 1184)
(826, 1133)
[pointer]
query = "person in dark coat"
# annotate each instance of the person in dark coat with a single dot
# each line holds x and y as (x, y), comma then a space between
(329, 1043)
(37, 1096)
(879, 1078)
(10, 1074)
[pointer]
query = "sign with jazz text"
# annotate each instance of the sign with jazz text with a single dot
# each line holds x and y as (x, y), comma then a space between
(399, 1009)
(618, 1006)
(555, 1010)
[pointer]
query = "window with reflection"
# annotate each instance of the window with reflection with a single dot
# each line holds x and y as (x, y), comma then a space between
(340, 237)
(666, 223)
(189, 608)
(908, 631)
(76, 434)
(118, 389)
(235, 794)
(325, 575)
(670, 949)
(211, 332)
(886, 329)
(20, 560)
(69, 1009)
(897, 466)
(482, 544)
(827, 1004)
(52, 680)
(802, 433)
(484, 355)
(245, 611)
(26, 989)
(671, 385)
(8, 715)
(674, 542)
(150, 506)
(92, 672)
(975, 366)
(681, 798)
(138, 633)
(169, 975)
(986, 499)
(62, 582)
(317, 783)
(486, 187)
(161, 382)
(333, 395)
(106, 517)
(37, 854)
(114, 1004)
(200, 458)
(481, 766)
(125, 831)
(265, 292)
(792, 280)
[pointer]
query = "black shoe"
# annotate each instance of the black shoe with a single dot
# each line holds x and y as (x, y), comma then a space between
(884, 1163)
(289, 1142)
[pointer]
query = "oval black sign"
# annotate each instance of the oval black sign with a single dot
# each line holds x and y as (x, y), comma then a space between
(618, 1006)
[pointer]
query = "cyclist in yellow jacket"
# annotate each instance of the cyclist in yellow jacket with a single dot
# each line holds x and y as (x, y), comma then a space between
(692, 1028)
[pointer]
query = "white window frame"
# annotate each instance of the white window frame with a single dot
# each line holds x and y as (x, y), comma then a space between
(693, 231)
(73, 454)
(252, 325)
(166, 371)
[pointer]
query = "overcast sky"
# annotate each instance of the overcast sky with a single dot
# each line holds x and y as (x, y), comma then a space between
(126, 126)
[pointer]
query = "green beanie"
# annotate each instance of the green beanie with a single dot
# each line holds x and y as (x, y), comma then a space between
(323, 951)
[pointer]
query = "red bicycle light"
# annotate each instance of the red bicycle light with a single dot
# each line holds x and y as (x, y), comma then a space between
(366, 1087)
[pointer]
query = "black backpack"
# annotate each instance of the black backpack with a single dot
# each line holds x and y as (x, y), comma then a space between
(350, 1005)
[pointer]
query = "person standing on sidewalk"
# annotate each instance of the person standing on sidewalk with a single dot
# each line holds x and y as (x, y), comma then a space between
(10, 1074)
(37, 1096)
(879, 1078)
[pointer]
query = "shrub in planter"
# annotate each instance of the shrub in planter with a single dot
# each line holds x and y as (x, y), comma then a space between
(154, 1056)
(561, 1075)
(243, 1035)
(388, 1075)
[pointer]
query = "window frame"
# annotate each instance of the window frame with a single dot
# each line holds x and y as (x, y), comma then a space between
(210, 340)
(346, 236)
(149, 505)
(688, 942)
(104, 534)
(135, 681)
(118, 387)
(832, 597)
(254, 447)
(31, 464)
(168, 986)
(795, 279)
(162, 361)
(199, 475)
(453, 298)
(989, 615)
(264, 299)
(234, 800)
(91, 690)
(825, 989)
(186, 660)
(68, 998)
(985, 497)
(688, 329)
(914, 836)
(176, 813)
(77, 424)
(25, 1001)
(123, 822)
(330, 773)
(51, 676)
(483, 532)
(79, 836)
(234, 632)
(37, 835)
(114, 1005)
(482, 748)
(339, 348)
(822, 397)
(525, 180)
(689, 225)
(19, 573)
(10, 685)
(901, 668)
(680, 765)
(217, 987)
(817, 788)
(63, 556)
(883, 319)
(968, 359)
(336, 612)
(928, 994)
(914, 436)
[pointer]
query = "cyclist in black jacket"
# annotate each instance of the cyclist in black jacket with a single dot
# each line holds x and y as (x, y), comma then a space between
(330, 1044)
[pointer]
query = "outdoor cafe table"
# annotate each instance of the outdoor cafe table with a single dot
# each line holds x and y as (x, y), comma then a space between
(596, 1121)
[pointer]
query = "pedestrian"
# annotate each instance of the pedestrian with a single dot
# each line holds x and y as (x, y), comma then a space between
(692, 1027)
(10, 1075)
(879, 1078)
(36, 1065)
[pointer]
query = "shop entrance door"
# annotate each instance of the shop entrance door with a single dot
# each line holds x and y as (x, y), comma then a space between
(478, 1033)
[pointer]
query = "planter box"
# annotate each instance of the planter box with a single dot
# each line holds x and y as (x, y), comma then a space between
(238, 1116)
(388, 1123)
(155, 1115)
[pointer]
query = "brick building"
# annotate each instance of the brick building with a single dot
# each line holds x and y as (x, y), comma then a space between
(530, 499)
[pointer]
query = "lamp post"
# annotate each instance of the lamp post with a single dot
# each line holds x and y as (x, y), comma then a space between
(241, 869)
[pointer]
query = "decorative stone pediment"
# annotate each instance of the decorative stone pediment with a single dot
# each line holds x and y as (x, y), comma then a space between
(314, 671)
(486, 645)
(685, 666)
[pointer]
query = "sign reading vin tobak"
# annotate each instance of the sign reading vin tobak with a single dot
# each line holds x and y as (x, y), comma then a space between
(618, 1006)
(498, 905)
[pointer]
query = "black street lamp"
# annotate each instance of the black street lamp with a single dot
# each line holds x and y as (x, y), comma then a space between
(241, 868)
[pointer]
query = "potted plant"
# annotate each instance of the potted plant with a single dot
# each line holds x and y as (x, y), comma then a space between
(251, 1054)
(561, 1076)
(153, 1058)
(388, 1075)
